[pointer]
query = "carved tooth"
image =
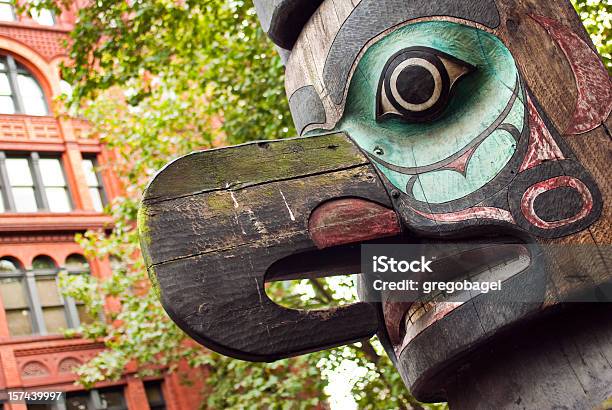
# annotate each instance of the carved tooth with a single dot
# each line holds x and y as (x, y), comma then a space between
(429, 306)
(417, 315)
(414, 308)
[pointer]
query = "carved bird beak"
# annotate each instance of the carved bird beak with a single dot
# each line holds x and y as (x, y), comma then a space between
(216, 225)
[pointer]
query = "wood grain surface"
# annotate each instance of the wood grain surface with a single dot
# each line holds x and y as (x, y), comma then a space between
(217, 224)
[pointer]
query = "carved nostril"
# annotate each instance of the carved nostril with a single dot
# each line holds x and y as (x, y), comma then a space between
(351, 220)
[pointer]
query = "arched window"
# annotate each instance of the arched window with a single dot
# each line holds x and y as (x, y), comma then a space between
(48, 295)
(20, 93)
(32, 298)
(43, 262)
(8, 265)
(77, 265)
(13, 291)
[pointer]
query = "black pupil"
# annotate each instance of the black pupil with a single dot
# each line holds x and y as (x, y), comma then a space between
(415, 84)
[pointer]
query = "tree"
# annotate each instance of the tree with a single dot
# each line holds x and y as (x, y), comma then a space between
(158, 79)
(596, 16)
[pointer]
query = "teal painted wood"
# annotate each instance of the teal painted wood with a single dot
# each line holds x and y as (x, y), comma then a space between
(478, 101)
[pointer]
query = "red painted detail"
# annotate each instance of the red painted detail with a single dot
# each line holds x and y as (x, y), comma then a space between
(557, 182)
(594, 101)
(393, 313)
(542, 145)
(460, 164)
(351, 220)
(483, 212)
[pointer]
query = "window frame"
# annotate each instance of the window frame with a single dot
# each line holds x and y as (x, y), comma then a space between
(13, 69)
(33, 158)
(38, 18)
(156, 404)
(12, 10)
(72, 306)
(21, 274)
(29, 276)
(101, 189)
(94, 399)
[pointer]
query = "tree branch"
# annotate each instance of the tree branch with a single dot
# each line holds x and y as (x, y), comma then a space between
(321, 290)
(368, 350)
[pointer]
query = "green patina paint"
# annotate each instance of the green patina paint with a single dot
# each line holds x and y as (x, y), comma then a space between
(220, 203)
(142, 220)
(144, 233)
(478, 101)
(154, 282)
(253, 163)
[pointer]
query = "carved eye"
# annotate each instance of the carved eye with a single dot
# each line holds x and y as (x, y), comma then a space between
(416, 84)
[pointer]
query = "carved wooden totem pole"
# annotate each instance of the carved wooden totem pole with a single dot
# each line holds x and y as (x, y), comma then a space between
(482, 122)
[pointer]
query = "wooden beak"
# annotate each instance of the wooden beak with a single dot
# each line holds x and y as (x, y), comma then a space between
(216, 225)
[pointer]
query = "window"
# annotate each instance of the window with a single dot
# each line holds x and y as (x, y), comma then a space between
(15, 297)
(20, 93)
(31, 183)
(54, 184)
(96, 190)
(66, 88)
(43, 17)
(77, 265)
(7, 12)
(43, 406)
(54, 317)
(97, 399)
(32, 299)
(21, 184)
(155, 396)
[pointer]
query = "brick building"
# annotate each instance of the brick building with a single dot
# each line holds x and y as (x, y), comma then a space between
(53, 184)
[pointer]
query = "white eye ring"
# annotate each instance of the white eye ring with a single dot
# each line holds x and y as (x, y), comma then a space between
(403, 86)
(437, 84)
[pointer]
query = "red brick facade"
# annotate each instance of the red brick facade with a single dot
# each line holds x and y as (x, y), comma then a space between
(44, 362)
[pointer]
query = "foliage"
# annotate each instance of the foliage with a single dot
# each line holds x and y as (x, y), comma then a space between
(168, 79)
(242, 385)
(596, 16)
(137, 329)
(158, 79)
(378, 385)
(213, 48)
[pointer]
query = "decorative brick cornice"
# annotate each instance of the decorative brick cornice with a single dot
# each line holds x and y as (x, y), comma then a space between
(53, 349)
(41, 221)
(54, 238)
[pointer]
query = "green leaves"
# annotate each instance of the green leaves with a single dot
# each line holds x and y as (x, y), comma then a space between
(596, 16)
(213, 49)
(158, 79)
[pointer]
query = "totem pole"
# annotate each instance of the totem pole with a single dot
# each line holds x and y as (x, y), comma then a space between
(422, 122)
